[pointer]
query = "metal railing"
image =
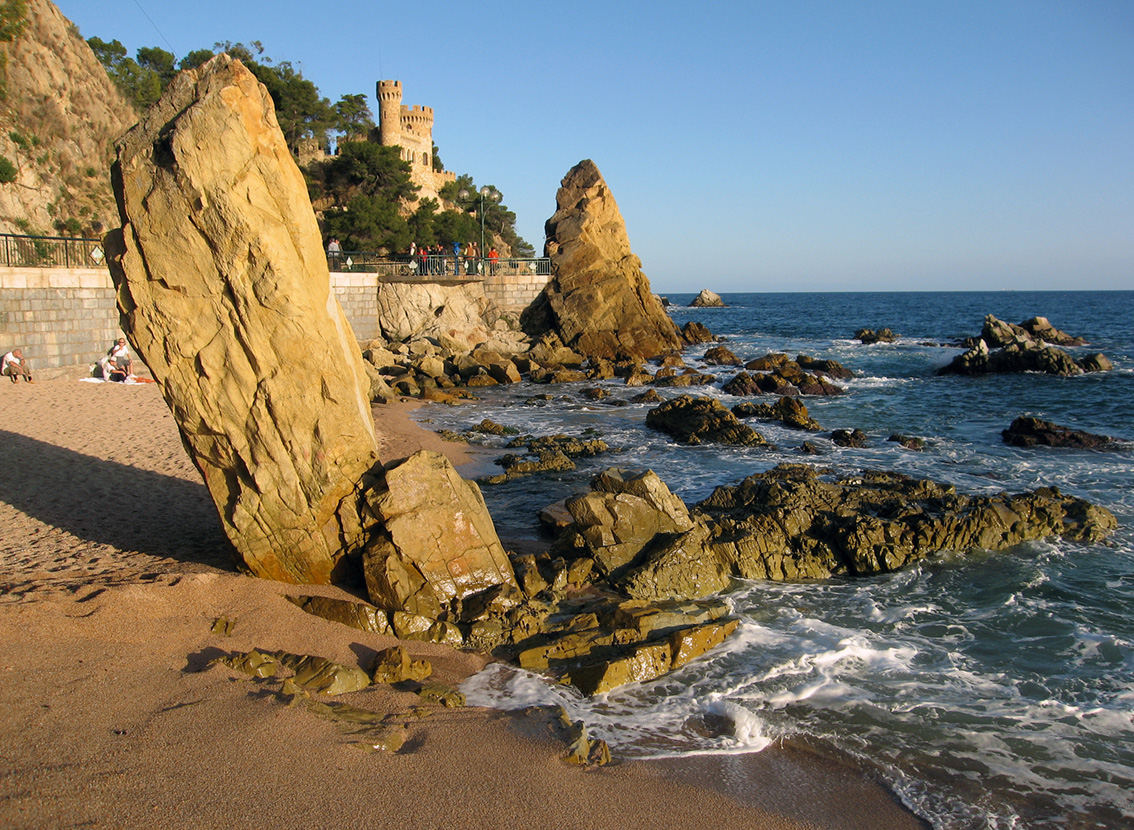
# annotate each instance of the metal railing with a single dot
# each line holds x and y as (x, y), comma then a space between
(50, 252)
(402, 267)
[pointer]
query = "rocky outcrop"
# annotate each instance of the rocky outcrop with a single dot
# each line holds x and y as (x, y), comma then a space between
(997, 333)
(1027, 431)
(777, 374)
(60, 119)
(223, 290)
(788, 410)
(791, 524)
(1004, 347)
(598, 301)
(721, 356)
(435, 542)
(869, 337)
(707, 299)
(694, 333)
(697, 420)
(1022, 355)
(619, 516)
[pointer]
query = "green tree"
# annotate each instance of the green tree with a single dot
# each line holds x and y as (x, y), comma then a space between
(159, 61)
(196, 58)
(369, 223)
(421, 222)
(354, 115)
(141, 85)
(368, 168)
(300, 111)
(456, 226)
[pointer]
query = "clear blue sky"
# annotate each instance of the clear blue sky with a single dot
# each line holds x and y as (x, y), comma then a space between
(755, 146)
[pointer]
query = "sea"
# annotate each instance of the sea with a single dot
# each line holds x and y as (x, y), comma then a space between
(987, 690)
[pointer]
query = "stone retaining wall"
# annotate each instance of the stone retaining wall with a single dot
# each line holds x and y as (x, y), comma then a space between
(513, 293)
(65, 317)
(358, 296)
(58, 316)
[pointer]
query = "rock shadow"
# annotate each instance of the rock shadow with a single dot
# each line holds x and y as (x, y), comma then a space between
(114, 504)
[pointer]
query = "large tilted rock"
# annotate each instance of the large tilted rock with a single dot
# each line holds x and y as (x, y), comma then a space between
(599, 301)
(223, 290)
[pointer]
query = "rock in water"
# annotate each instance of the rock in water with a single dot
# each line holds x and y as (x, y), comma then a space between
(223, 290)
(1027, 431)
(599, 301)
(707, 299)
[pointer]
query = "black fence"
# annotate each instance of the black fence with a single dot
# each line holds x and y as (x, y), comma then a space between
(50, 252)
(432, 267)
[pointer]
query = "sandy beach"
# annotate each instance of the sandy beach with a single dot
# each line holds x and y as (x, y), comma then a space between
(113, 570)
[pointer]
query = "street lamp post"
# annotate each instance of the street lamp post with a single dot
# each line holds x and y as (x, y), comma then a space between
(486, 192)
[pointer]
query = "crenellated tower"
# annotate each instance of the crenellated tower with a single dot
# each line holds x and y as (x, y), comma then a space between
(390, 113)
(411, 129)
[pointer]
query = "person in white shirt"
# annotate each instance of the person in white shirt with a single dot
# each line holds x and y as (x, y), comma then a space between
(119, 355)
(14, 365)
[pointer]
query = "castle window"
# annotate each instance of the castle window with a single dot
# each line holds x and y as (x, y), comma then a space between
(425, 159)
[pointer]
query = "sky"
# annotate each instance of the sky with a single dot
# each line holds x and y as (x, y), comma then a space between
(752, 146)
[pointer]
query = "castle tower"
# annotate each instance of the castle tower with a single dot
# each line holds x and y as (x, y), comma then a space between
(389, 113)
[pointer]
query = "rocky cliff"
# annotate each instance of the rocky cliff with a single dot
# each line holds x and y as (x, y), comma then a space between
(59, 119)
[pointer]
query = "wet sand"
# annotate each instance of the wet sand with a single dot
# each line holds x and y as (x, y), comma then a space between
(113, 568)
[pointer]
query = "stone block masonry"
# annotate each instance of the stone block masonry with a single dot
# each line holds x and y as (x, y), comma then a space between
(58, 316)
(67, 317)
(512, 293)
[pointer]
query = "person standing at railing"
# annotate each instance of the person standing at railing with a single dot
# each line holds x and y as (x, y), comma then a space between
(456, 258)
(470, 258)
(334, 253)
(423, 255)
(493, 259)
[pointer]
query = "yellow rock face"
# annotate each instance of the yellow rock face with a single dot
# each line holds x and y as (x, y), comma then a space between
(223, 290)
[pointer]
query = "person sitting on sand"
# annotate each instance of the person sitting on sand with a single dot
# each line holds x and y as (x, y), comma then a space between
(119, 362)
(14, 366)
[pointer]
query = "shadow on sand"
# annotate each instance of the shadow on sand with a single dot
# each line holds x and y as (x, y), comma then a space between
(110, 503)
